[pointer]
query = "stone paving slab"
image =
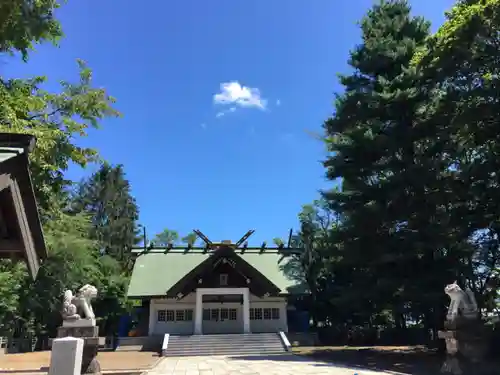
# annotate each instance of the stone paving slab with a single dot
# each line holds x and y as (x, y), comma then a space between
(254, 365)
(39, 362)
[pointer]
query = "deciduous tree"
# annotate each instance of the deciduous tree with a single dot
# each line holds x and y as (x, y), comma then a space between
(166, 237)
(26, 22)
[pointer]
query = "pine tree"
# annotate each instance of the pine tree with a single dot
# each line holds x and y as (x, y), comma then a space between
(374, 150)
(106, 197)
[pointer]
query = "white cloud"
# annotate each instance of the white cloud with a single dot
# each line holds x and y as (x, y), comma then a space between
(243, 96)
(203, 126)
(278, 103)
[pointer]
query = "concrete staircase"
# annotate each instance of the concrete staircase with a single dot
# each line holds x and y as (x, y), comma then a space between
(232, 344)
(141, 343)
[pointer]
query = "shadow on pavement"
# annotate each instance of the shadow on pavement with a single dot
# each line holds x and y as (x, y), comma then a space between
(414, 361)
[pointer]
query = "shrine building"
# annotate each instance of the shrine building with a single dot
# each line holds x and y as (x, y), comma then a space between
(220, 288)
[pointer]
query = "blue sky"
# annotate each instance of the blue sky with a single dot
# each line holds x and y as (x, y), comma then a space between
(218, 99)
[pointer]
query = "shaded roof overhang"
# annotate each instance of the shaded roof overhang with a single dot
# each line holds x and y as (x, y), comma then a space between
(15, 181)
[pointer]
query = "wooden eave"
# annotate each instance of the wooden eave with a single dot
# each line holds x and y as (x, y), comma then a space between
(15, 180)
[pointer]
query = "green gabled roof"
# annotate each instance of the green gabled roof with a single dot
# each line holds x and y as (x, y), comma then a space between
(156, 272)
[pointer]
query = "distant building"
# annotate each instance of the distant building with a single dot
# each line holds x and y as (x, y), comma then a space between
(222, 290)
(21, 236)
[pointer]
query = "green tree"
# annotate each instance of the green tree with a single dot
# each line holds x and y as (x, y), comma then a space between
(112, 303)
(460, 66)
(308, 267)
(166, 237)
(106, 197)
(12, 280)
(25, 22)
(72, 262)
(57, 120)
(190, 238)
(278, 241)
(388, 221)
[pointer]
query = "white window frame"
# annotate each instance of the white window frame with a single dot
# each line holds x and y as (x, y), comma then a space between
(266, 313)
(161, 315)
(258, 314)
(170, 316)
(180, 315)
(233, 314)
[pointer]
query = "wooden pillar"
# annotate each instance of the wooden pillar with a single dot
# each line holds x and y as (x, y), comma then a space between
(246, 311)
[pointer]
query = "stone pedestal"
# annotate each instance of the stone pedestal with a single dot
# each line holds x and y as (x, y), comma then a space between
(466, 346)
(66, 356)
(89, 333)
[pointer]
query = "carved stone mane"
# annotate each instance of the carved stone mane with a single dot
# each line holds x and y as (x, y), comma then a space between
(79, 306)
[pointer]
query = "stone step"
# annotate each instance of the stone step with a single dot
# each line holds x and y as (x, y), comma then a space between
(230, 344)
(223, 347)
(255, 347)
(225, 338)
(204, 351)
(229, 335)
(225, 341)
(226, 345)
(129, 348)
(233, 353)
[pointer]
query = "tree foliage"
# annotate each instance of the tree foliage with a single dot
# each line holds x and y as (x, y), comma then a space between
(413, 147)
(412, 150)
(106, 197)
(25, 22)
(12, 277)
(166, 237)
(190, 238)
(57, 120)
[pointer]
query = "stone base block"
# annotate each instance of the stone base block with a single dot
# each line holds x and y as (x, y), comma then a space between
(83, 332)
(89, 336)
(471, 345)
(66, 356)
(79, 323)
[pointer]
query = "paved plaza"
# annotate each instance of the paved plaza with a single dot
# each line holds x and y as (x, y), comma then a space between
(268, 365)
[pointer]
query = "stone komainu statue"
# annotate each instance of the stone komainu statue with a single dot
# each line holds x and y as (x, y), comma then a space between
(79, 306)
(462, 303)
